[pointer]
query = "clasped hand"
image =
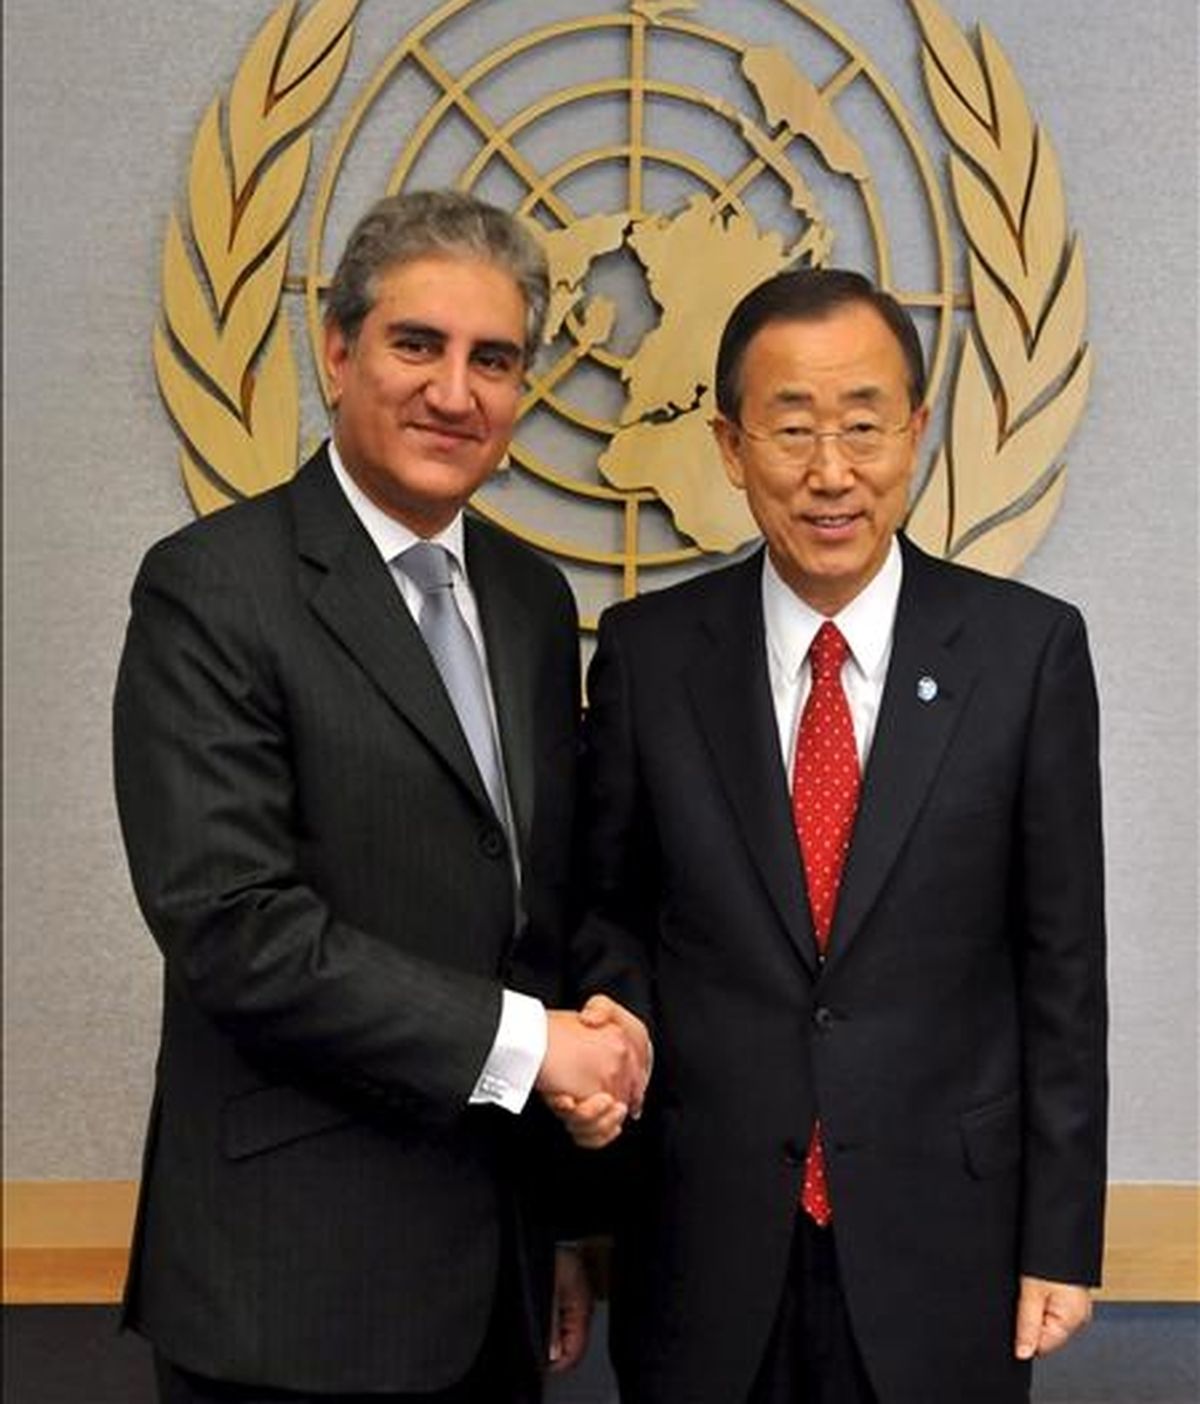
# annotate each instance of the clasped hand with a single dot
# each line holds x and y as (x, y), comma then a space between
(596, 1068)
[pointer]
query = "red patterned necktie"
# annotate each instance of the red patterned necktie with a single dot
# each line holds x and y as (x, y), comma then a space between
(824, 800)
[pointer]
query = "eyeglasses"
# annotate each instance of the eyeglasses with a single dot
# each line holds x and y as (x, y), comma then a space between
(857, 443)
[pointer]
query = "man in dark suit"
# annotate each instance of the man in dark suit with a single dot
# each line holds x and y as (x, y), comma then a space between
(857, 894)
(357, 865)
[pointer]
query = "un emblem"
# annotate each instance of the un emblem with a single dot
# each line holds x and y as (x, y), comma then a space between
(678, 165)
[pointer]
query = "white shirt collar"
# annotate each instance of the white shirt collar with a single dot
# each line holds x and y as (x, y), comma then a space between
(866, 622)
(390, 536)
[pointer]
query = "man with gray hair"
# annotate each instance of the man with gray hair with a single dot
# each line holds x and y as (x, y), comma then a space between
(345, 738)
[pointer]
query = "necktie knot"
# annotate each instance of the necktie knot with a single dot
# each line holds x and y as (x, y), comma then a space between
(427, 566)
(827, 652)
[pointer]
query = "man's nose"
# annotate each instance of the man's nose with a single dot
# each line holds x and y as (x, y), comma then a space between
(828, 470)
(448, 389)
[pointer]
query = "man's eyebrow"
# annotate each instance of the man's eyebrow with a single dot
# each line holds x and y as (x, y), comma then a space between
(404, 327)
(863, 395)
(800, 398)
(805, 399)
(498, 344)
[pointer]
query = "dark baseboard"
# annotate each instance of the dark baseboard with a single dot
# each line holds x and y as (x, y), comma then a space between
(1131, 1355)
(76, 1355)
(72, 1355)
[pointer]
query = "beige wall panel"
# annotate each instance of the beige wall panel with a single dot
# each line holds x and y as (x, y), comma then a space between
(101, 104)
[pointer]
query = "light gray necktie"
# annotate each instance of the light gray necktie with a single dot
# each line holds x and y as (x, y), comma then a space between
(449, 640)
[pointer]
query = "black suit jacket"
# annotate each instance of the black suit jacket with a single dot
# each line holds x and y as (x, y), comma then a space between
(316, 856)
(953, 1040)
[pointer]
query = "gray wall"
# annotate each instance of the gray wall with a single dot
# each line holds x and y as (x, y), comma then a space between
(101, 100)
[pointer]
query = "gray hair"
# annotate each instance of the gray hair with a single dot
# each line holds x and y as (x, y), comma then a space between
(402, 228)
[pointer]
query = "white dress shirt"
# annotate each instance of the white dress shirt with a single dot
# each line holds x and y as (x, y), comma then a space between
(520, 1044)
(866, 623)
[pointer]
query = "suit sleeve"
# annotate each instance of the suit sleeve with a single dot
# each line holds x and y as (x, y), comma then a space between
(611, 952)
(205, 793)
(1062, 970)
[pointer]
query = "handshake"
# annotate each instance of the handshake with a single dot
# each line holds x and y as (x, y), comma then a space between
(596, 1068)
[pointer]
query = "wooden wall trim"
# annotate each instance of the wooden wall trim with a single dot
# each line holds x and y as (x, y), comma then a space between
(68, 1241)
(1152, 1243)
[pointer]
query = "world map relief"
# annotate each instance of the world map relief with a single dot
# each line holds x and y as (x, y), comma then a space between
(697, 263)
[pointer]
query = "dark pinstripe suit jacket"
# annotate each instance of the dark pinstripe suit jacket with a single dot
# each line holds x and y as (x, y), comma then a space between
(317, 859)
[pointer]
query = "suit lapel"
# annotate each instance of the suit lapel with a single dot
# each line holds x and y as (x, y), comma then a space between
(351, 591)
(911, 736)
(731, 695)
(508, 637)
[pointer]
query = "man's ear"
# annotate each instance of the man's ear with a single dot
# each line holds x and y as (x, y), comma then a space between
(730, 442)
(335, 352)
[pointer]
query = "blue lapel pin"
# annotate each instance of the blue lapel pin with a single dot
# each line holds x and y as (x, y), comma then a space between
(927, 688)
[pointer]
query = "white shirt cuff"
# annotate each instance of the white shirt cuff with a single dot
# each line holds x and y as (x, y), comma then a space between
(516, 1054)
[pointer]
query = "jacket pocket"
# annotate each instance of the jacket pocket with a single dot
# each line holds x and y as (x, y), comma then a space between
(268, 1117)
(991, 1136)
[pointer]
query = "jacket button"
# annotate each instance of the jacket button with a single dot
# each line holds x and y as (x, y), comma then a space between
(823, 1018)
(491, 843)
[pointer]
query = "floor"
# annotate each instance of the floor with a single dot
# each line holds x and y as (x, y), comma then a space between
(1131, 1355)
